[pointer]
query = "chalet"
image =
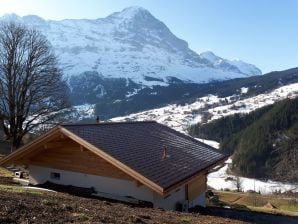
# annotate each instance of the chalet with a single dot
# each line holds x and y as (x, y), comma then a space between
(143, 160)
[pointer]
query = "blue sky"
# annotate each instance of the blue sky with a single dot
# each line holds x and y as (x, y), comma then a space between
(261, 32)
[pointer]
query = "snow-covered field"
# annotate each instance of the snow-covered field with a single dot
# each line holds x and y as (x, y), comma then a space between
(253, 103)
(175, 116)
(221, 180)
(211, 107)
(85, 111)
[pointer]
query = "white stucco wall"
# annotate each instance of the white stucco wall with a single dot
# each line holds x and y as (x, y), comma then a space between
(39, 175)
(200, 200)
(169, 203)
(117, 187)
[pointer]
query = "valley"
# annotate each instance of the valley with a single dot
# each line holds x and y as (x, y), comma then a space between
(124, 98)
(71, 102)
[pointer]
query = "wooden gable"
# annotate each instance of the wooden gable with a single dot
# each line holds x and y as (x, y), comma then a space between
(68, 155)
(196, 187)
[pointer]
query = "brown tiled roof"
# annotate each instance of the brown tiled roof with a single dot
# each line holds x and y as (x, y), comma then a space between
(139, 145)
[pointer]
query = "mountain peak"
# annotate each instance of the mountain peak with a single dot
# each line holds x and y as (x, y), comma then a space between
(130, 13)
(134, 9)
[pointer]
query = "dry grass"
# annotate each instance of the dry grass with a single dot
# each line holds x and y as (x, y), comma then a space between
(5, 173)
(18, 189)
(256, 202)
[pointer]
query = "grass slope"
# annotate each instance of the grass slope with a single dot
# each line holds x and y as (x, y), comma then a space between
(256, 202)
(115, 103)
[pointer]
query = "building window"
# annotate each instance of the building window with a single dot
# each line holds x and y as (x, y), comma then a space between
(55, 176)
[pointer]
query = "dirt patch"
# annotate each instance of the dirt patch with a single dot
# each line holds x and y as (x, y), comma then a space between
(269, 205)
(64, 208)
(29, 207)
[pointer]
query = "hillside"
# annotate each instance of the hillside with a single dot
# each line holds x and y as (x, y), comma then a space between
(207, 108)
(127, 97)
(264, 142)
(20, 205)
(227, 126)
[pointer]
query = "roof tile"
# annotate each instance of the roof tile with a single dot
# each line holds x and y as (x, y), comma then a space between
(140, 145)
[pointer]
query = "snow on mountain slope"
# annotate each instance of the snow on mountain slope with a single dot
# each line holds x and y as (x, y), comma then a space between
(210, 107)
(225, 64)
(131, 44)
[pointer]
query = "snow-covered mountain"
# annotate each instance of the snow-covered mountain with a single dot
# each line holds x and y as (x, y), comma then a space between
(132, 44)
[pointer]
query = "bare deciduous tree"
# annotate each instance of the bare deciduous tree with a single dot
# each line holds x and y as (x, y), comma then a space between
(238, 183)
(31, 87)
